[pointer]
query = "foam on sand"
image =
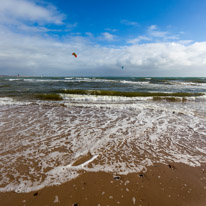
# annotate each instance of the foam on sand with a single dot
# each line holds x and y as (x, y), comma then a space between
(49, 144)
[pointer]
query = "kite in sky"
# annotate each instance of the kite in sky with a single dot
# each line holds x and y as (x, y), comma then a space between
(74, 54)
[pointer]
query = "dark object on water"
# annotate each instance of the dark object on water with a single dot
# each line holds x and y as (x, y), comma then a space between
(141, 175)
(171, 167)
(116, 177)
(75, 204)
(35, 194)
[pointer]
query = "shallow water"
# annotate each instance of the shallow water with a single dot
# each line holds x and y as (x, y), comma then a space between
(49, 142)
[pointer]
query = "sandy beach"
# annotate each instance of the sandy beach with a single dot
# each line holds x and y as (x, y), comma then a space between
(172, 184)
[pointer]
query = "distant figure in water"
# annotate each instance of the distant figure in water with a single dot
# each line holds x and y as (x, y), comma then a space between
(122, 67)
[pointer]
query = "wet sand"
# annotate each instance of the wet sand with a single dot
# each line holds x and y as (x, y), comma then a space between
(171, 184)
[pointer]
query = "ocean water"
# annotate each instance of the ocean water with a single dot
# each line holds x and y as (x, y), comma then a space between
(55, 128)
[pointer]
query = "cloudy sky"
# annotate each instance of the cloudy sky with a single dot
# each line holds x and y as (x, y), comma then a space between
(147, 37)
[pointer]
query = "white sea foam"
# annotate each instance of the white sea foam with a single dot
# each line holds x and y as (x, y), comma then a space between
(14, 79)
(46, 80)
(135, 82)
(121, 99)
(40, 142)
(11, 101)
(6, 100)
(195, 84)
(101, 99)
(69, 80)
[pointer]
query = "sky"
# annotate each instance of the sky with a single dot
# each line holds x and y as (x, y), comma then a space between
(150, 38)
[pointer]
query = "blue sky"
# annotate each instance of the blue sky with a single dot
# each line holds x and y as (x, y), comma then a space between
(133, 17)
(148, 37)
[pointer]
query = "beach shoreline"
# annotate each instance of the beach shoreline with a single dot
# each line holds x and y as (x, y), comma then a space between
(171, 184)
(102, 150)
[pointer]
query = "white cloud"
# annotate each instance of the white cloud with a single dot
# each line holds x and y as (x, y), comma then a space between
(152, 27)
(111, 30)
(38, 56)
(108, 36)
(11, 11)
(154, 32)
(138, 39)
(129, 23)
(71, 26)
(34, 29)
(89, 34)
(155, 35)
(185, 42)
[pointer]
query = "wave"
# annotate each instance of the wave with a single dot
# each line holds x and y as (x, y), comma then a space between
(110, 97)
(179, 81)
(11, 101)
(69, 80)
(134, 82)
(182, 83)
(55, 97)
(14, 79)
(44, 80)
(124, 80)
(74, 98)
(128, 94)
(6, 100)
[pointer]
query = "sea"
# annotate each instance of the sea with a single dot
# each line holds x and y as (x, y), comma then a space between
(53, 129)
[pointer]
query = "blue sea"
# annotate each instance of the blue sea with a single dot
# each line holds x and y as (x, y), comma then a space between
(123, 89)
(120, 124)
